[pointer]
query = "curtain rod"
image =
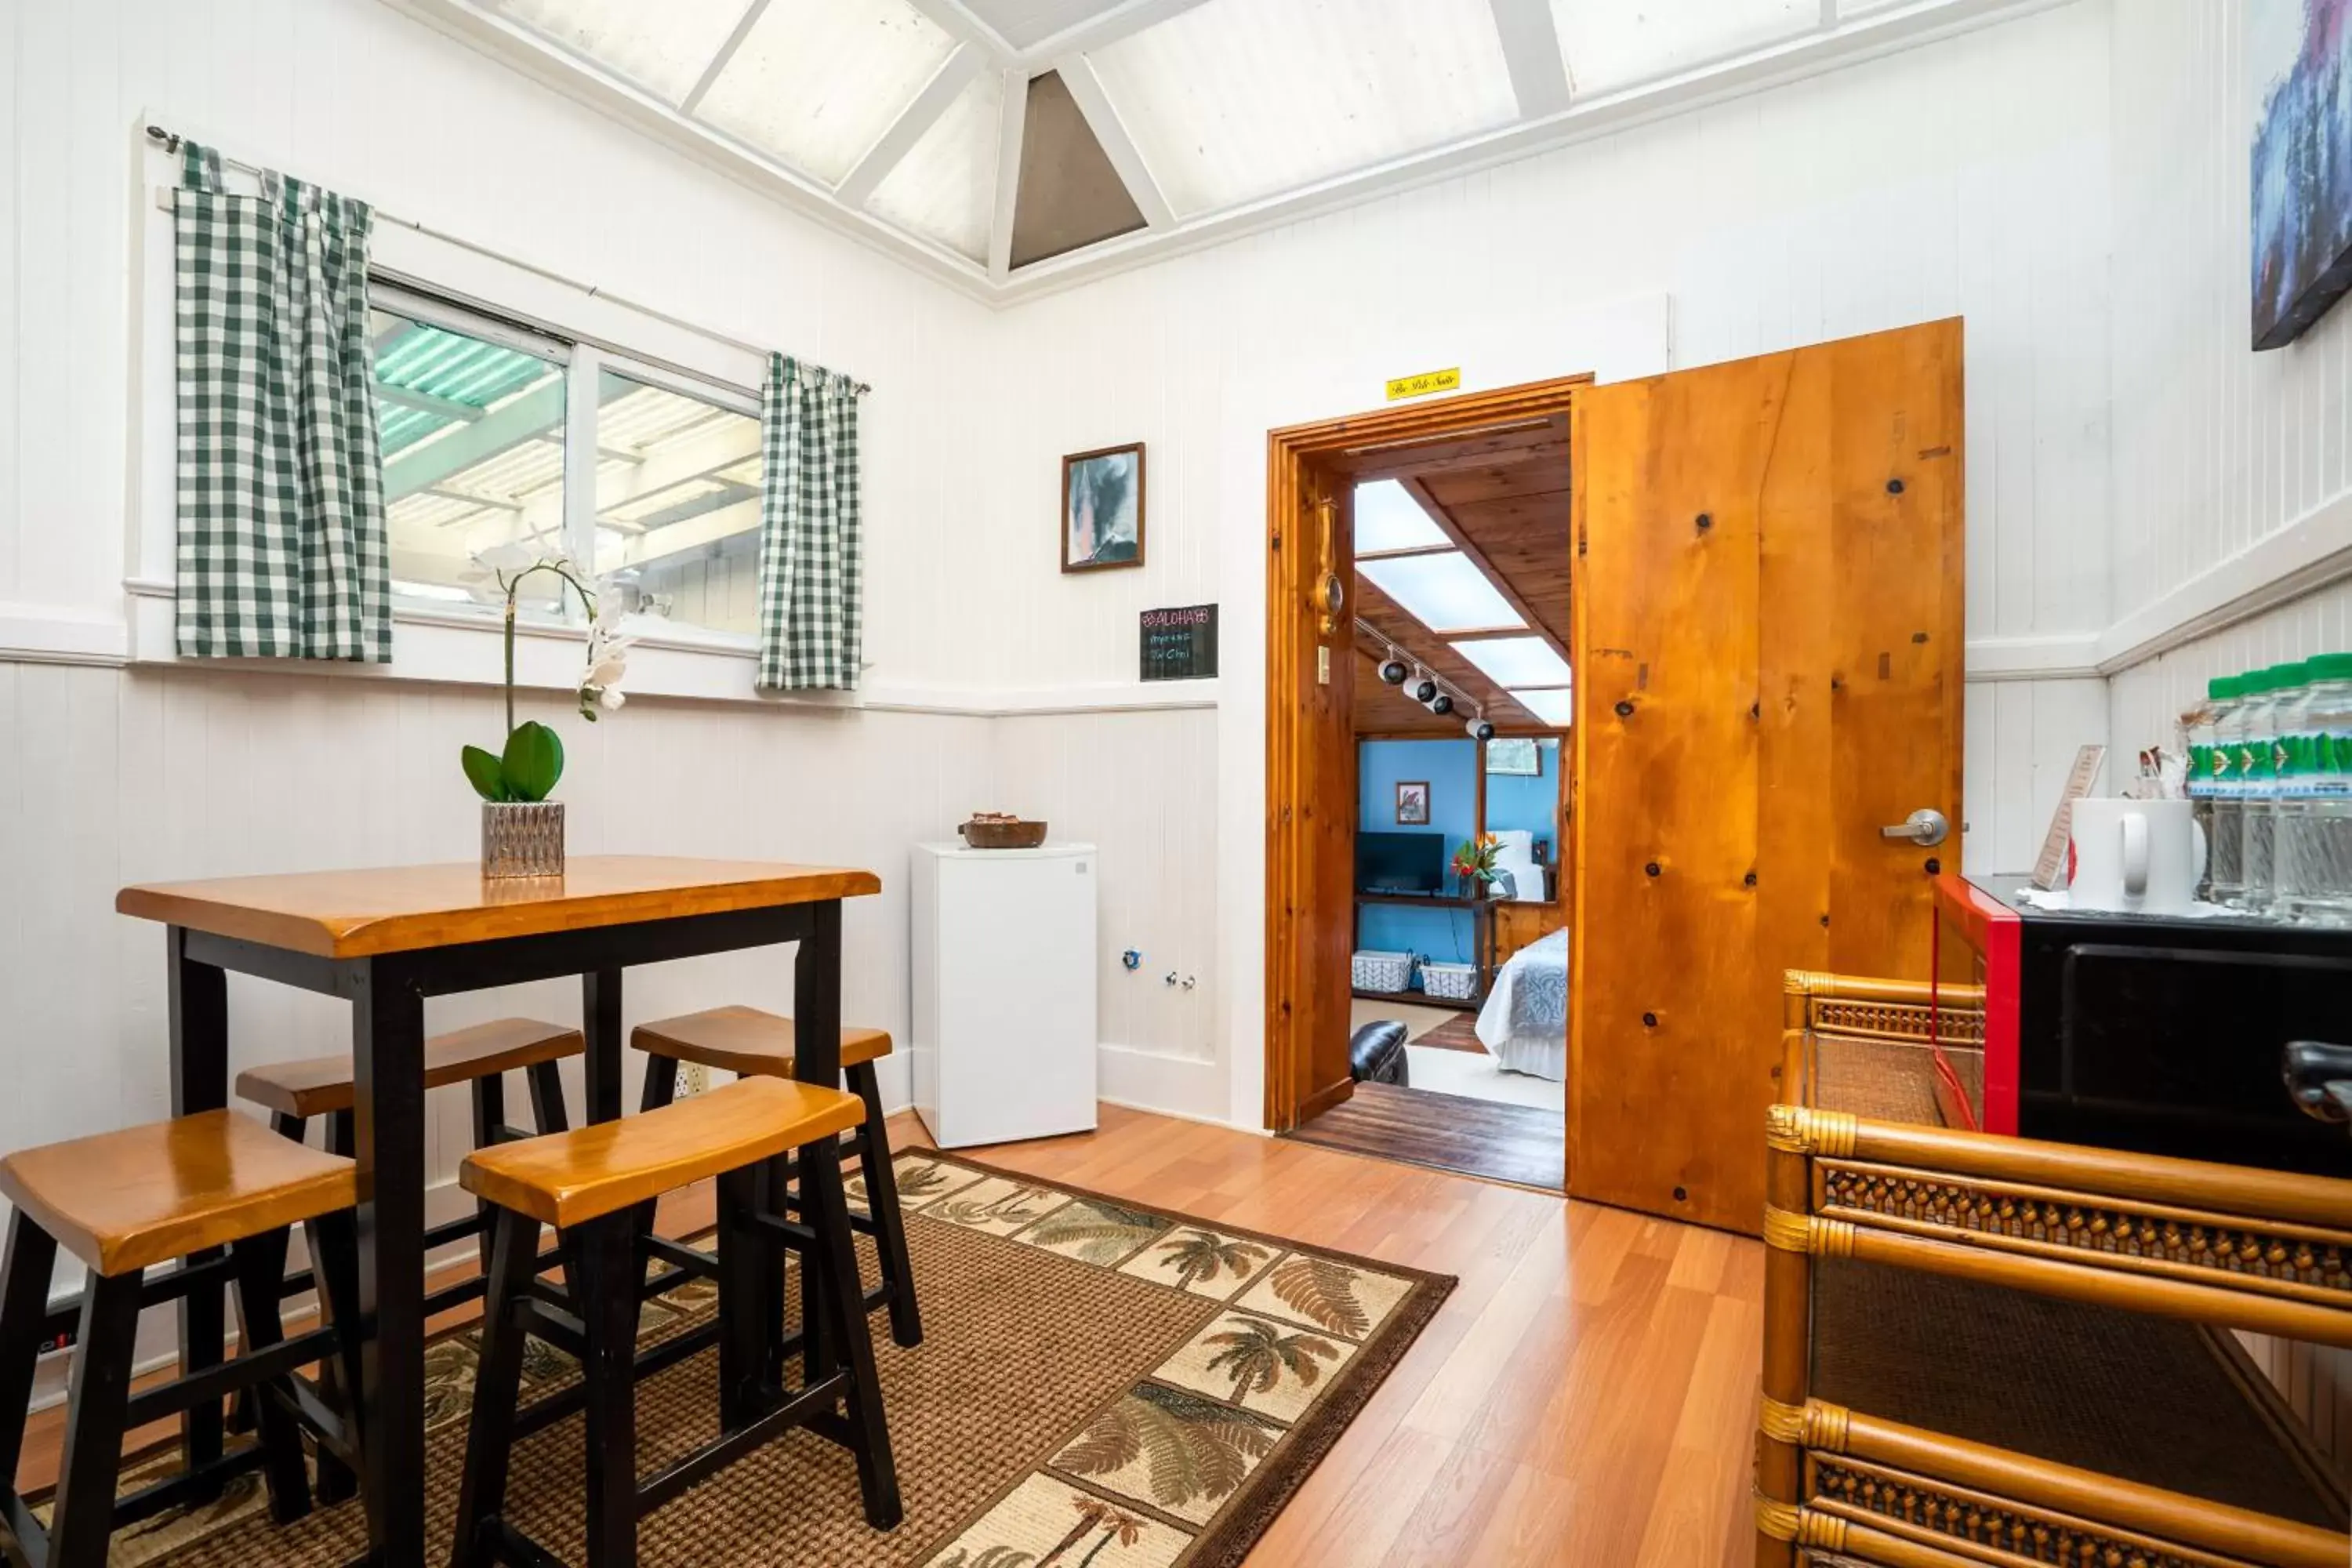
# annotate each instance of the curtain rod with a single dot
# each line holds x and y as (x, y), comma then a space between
(171, 140)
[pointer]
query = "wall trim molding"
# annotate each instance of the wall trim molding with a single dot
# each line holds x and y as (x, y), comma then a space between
(457, 648)
(43, 634)
(2284, 564)
(2057, 656)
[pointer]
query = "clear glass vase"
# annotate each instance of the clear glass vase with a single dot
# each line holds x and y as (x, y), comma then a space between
(522, 839)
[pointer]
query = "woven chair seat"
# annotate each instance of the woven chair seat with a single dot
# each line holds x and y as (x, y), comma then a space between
(2144, 1399)
(1890, 1080)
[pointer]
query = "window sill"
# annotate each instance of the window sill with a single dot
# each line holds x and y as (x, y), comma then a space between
(459, 645)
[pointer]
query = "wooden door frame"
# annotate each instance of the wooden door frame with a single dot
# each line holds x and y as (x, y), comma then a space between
(1292, 576)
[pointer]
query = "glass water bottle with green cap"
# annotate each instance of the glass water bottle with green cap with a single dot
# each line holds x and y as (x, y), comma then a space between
(2211, 779)
(2268, 691)
(2314, 840)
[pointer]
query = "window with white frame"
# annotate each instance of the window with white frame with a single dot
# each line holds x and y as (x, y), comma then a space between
(498, 432)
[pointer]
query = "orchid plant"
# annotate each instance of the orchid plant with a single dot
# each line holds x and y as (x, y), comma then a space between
(529, 766)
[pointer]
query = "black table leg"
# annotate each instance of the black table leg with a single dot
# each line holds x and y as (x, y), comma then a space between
(816, 1058)
(816, 998)
(388, 1074)
(199, 1003)
(600, 1021)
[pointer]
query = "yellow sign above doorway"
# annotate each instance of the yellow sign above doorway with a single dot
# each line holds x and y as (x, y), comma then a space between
(1425, 384)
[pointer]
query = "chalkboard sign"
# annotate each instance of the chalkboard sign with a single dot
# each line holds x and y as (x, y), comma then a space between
(1181, 645)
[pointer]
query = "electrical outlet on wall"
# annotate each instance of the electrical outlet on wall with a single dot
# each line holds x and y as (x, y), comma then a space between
(693, 1077)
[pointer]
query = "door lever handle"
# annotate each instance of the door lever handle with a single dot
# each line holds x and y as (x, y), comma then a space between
(1926, 828)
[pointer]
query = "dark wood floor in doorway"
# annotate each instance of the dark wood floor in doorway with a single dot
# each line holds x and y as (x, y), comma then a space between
(1479, 1137)
(1455, 1035)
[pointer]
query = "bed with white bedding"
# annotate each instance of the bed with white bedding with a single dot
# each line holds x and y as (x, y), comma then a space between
(1525, 1020)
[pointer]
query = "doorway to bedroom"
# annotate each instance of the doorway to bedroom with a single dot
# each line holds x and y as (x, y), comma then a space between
(1452, 558)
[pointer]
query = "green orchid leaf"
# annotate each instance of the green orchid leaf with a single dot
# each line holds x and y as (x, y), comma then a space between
(533, 762)
(484, 771)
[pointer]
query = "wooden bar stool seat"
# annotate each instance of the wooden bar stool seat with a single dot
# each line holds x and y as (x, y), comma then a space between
(750, 1043)
(122, 1202)
(598, 1185)
(294, 1092)
(322, 1086)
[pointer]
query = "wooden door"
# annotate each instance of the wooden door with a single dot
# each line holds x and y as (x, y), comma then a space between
(1766, 630)
(1310, 794)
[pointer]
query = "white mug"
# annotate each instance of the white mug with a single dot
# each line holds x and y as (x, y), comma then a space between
(2138, 857)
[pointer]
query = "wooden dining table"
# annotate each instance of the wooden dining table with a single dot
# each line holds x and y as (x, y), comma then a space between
(385, 940)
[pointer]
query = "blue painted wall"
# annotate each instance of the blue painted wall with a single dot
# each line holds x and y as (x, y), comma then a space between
(1452, 769)
(1515, 800)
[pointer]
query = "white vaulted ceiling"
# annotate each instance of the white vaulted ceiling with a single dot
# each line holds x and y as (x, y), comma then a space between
(904, 120)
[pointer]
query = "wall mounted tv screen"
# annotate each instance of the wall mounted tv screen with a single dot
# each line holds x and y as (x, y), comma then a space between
(1400, 862)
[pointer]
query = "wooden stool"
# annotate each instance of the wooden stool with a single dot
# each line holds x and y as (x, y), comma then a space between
(122, 1201)
(597, 1185)
(296, 1093)
(753, 1044)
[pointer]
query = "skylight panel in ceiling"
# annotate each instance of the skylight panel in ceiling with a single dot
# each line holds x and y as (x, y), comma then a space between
(1444, 593)
(945, 187)
(817, 81)
(662, 48)
(1388, 518)
(1517, 661)
(1027, 23)
(1556, 707)
(1239, 99)
(1610, 44)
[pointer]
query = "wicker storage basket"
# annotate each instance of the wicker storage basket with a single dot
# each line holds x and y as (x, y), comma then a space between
(1375, 971)
(1454, 982)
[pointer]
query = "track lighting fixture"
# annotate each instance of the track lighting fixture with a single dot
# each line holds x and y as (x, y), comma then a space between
(1394, 672)
(1423, 690)
(1480, 730)
(1440, 705)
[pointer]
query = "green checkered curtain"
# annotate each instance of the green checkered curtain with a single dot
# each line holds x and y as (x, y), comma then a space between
(810, 543)
(283, 548)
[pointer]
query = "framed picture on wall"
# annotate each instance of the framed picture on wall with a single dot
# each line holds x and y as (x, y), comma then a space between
(1413, 802)
(2298, 57)
(1102, 508)
(1515, 758)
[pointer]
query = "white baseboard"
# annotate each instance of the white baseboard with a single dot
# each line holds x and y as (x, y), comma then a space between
(1184, 1086)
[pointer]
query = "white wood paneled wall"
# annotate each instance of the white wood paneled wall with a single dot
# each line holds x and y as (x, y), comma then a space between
(1967, 177)
(2020, 743)
(2147, 700)
(354, 95)
(2216, 447)
(1142, 786)
(109, 777)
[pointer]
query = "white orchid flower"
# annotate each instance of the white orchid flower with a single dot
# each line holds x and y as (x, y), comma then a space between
(611, 697)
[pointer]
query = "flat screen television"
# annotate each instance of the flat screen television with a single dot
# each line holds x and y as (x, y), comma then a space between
(1400, 862)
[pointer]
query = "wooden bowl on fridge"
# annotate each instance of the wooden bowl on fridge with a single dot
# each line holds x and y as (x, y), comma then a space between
(995, 830)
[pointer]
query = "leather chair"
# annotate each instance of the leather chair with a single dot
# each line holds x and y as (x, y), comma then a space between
(1376, 1053)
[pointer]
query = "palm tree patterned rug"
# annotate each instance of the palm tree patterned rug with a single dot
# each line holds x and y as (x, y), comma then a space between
(1100, 1386)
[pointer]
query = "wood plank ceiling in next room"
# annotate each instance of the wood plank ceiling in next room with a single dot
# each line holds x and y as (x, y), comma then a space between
(1473, 533)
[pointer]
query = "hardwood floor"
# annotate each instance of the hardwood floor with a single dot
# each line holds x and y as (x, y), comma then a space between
(1456, 1033)
(1476, 1137)
(1586, 1398)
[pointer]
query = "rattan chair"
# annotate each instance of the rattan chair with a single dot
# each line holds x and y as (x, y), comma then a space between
(1892, 1050)
(1981, 1349)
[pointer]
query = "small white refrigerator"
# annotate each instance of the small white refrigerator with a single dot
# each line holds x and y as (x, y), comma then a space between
(1003, 1028)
